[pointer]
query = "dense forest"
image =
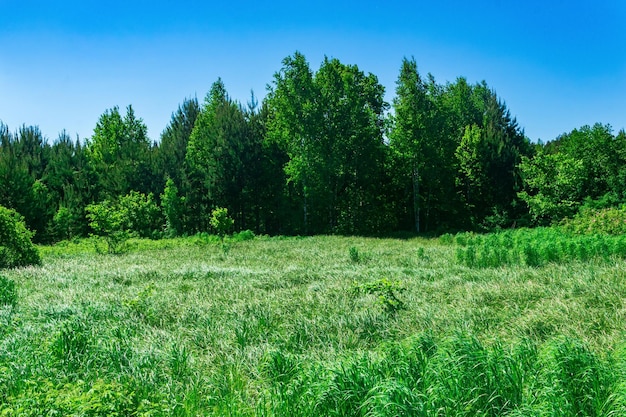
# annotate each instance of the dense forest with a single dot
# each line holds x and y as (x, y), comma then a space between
(322, 153)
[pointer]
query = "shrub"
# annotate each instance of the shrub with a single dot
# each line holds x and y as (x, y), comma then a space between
(16, 246)
(609, 221)
(141, 215)
(221, 222)
(107, 220)
(386, 293)
(243, 236)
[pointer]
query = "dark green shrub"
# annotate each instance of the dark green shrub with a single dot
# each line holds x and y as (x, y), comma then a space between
(16, 246)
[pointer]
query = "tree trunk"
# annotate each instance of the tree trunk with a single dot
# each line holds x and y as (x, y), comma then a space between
(416, 196)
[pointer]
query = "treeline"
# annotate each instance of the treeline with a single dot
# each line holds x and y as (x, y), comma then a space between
(322, 153)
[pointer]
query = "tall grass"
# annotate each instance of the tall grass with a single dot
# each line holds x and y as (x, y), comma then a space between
(296, 327)
(535, 247)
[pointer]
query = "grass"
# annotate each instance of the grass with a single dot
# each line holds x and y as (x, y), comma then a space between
(296, 327)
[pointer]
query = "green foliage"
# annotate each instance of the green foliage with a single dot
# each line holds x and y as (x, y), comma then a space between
(140, 214)
(72, 341)
(108, 220)
(536, 247)
(116, 221)
(16, 247)
(354, 255)
(173, 209)
(386, 293)
(330, 124)
(609, 221)
(243, 236)
(221, 222)
(118, 154)
(8, 293)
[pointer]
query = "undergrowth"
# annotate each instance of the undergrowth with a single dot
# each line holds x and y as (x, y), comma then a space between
(311, 327)
(535, 247)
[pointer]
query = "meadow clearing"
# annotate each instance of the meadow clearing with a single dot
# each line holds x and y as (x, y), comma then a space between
(318, 326)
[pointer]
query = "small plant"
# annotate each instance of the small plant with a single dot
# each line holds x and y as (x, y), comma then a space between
(354, 255)
(8, 295)
(72, 341)
(386, 292)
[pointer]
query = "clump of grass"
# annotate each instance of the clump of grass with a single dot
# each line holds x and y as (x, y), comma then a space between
(355, 257)
(536, 247)
(72, 342)
(8, 293)
(459, 376)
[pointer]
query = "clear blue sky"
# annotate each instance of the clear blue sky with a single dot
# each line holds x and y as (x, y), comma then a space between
(557, 64)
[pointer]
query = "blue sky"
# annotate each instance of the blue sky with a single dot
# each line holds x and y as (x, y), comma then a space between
(557, 64)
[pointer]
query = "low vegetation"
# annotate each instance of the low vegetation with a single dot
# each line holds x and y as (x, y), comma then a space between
(310, 326)
(535, 247)
(16, 247)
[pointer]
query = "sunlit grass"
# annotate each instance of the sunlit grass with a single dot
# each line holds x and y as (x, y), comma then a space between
(274, 326)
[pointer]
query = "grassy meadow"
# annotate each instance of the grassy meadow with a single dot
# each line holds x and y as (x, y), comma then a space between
(316, 326)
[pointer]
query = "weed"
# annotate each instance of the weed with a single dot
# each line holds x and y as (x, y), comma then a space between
(72, 341)
(386, 293)
(354, 255)
(8, 293)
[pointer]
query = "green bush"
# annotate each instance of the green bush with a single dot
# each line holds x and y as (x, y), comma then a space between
(243, 236)
(134, 214)
(16, 246)
(386, 293)
(609, 221)
(221, 222)
(107, 220)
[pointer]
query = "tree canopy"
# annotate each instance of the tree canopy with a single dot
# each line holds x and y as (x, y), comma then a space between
(323, 152)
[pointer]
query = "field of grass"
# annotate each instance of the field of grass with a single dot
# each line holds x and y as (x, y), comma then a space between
(314, 326)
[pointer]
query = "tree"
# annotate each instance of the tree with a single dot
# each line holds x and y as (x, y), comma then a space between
(70, 187)
(411, 134)
(16, 247)
(173, 209)
(220, 157)
(23, 159)
(290, 125)
(174, 140)
(488, 158)
(118, 154)
(554, 186)
(330, 124)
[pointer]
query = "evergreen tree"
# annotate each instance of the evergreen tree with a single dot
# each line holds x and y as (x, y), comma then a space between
(174, 139)
(219, 157)
(118, 154)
